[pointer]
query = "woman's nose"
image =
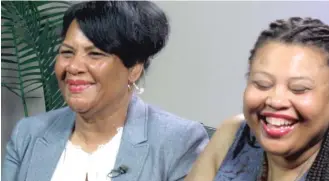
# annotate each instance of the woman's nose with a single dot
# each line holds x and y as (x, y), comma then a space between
(278, 99)
(76, 65)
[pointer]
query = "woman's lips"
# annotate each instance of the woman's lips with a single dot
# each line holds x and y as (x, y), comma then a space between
(277, 131)
(77, 86)
(277, 125)
(278, 115)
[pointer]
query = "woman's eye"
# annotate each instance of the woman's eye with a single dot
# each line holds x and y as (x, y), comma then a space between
(66, 53)
(96, 55)
(262, 85)
(300, 90)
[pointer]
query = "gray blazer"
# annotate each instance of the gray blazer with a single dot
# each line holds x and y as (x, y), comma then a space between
(155, 146)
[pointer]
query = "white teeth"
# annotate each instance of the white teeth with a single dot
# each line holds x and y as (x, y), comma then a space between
(278, 121)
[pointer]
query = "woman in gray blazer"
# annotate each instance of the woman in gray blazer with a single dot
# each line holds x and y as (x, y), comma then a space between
(106, 132)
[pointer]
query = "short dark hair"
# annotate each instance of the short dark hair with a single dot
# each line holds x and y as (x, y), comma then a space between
(132, 30)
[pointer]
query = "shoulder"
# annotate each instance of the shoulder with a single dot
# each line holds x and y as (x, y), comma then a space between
(227, 130)
(171, 125)
(181, 135)
(34, 125)
(206, 166)
(179, 140)
(224, 137)
(230, 126)
(28, 129)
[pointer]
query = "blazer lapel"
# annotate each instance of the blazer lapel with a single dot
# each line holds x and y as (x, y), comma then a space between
(134, 147)
(48, 149)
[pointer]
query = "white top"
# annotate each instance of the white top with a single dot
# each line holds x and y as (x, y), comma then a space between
(75, 163)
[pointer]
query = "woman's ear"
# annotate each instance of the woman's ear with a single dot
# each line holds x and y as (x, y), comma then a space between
(135, 72)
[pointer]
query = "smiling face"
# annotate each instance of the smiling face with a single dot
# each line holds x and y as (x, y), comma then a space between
(286, 101)
(90, 79)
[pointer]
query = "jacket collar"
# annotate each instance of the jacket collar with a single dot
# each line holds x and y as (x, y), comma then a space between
(48, 148)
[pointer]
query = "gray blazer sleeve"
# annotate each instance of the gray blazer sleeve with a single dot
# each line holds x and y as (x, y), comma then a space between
(11, 160)
(192, 141)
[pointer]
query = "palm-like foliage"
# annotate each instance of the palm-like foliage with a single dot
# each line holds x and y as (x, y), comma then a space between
(29, 42)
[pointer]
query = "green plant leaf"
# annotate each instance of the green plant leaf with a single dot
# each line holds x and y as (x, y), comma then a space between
(31, 60)
(29, 39)
(4, 60)
(40, 86)
(10, 69)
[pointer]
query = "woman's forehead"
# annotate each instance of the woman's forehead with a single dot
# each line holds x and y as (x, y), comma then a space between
(284, 56)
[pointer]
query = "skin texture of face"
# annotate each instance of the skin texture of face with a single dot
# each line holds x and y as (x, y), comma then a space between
(290, 80)
(91, 80)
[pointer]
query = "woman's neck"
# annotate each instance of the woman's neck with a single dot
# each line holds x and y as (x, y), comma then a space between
(92, 131)
(280, 168)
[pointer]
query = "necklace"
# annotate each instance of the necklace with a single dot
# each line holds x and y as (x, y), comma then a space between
(264, 169)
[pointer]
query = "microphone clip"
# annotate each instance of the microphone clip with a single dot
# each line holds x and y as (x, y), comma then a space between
(117, 172)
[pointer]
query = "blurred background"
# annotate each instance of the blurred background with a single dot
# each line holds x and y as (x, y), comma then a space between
(200, 74)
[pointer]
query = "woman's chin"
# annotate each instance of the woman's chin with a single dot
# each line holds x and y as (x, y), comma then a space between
(79, 105)
(276, 147)
(278, 152)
